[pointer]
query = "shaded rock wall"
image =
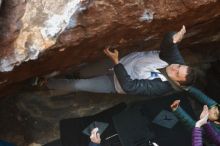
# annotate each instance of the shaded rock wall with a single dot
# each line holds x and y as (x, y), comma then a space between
(40, 112)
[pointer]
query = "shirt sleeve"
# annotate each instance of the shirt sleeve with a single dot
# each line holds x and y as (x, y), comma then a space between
(184, 118)
(169, 51)
(146, 87)
(201, 97)
(212, 134)
(197, 137)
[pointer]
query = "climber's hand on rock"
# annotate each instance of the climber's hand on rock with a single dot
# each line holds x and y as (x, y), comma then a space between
(112, 55)
(179, 35)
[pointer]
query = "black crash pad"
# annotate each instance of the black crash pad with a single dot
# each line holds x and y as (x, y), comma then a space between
(128, 124)
(71, 129)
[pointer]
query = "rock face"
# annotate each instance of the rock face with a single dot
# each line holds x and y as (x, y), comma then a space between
(43, 21)
(75, 31)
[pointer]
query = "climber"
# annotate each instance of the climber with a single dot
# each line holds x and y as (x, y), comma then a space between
(150, 73)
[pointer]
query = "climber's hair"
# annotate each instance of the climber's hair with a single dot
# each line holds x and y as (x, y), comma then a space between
(190, 77)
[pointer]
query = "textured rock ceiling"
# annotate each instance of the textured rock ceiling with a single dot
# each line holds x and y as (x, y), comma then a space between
(38, 37)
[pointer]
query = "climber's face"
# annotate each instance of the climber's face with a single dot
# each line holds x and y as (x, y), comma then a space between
(177, 72)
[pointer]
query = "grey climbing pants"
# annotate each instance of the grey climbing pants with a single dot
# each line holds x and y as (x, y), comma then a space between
(100, 84)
